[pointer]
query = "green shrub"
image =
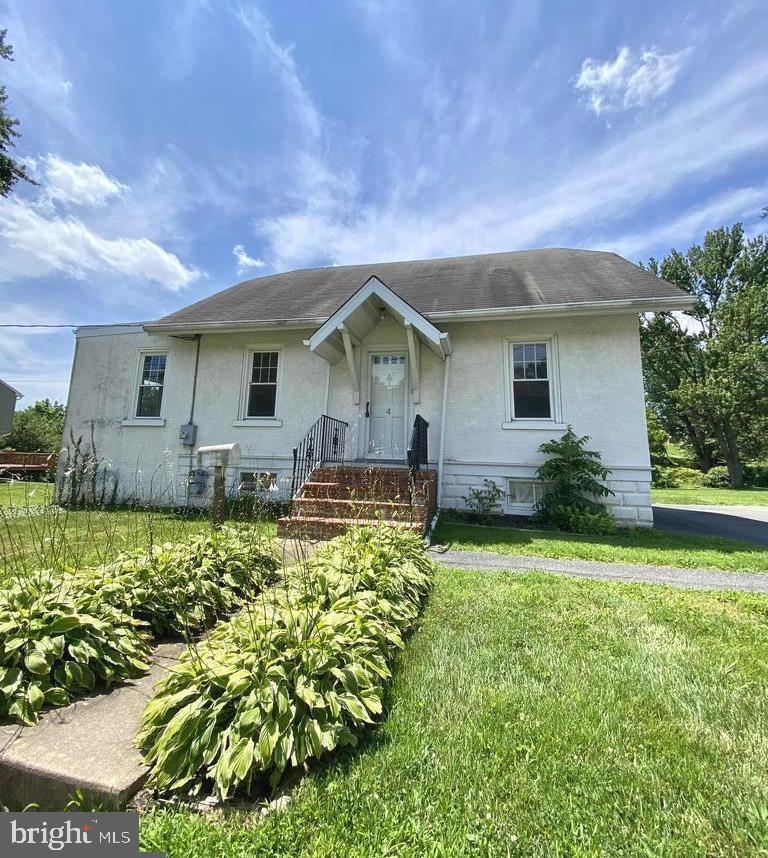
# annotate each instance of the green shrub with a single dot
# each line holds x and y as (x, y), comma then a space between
(484, 502)
(756, 474)
(184, 587)
(572, 478)
(292, 676)
(596, 522)
(678, 478)
(716, 478)
(56, 643)
(661, 478)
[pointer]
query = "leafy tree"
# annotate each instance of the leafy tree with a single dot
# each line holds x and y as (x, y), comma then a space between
(657, 439)
(36, 429)
(706, 368)
(11, 170)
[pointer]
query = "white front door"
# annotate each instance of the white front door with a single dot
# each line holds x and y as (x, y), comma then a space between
(386, 406)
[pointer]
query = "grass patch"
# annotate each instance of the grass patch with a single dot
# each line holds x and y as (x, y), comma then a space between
(726, 497)
(60, 537)
(641, 545)
(540, 716)
(21, 493)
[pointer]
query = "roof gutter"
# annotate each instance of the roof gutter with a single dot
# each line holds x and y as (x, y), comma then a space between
(637, 305)
(233, 326)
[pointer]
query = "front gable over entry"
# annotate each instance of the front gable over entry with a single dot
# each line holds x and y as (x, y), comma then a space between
(343, 331)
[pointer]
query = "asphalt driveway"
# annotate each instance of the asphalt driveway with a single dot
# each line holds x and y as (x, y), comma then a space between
(748, 523)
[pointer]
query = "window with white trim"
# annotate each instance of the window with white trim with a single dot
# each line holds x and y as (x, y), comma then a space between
(531, 381)
(257, 482)
(524, 493)
(261, 384)
(151, 382)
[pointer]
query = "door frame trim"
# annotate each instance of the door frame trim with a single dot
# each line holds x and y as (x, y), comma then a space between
(368, 353)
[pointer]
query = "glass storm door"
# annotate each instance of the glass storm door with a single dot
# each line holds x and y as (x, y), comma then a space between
(386, 406)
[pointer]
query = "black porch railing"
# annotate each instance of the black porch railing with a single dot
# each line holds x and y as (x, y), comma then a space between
(324, 442)
(418, 448)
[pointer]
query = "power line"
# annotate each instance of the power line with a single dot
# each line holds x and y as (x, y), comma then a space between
(4, 325)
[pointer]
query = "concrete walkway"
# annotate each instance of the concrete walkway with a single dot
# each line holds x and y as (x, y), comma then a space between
(695, 579)
(748, 523)
(87, 746)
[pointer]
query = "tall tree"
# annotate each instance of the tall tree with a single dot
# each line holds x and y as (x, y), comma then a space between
(706, 369)
(11, 170)
(36, 429)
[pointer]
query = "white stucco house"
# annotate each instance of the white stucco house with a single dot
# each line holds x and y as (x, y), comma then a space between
(497, 353)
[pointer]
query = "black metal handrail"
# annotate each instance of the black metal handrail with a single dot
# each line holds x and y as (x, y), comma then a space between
(418, 448)
(324, 442)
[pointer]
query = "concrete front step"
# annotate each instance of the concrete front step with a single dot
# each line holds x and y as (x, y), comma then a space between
(356, 492)
(87, 746)
(321, 527)
(364, 485)
(338, 496)
(306, 507)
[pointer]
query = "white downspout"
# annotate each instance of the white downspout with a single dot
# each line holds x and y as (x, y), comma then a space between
(446, 374)
(327, 388)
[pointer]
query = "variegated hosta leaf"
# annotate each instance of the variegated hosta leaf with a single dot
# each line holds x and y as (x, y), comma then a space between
(62, 634)
(294, 674)
(186, 587)
(58, 642)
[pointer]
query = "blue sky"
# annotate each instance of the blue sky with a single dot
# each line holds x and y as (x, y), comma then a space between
(184, 146)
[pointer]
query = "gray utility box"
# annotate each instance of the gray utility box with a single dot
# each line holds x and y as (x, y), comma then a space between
(196, 480)
(188, 434)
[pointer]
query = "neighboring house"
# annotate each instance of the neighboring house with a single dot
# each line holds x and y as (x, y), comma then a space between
(8, 397)
(497, 353)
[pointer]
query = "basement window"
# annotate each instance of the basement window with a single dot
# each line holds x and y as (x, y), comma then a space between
(524, 494)
(257, 482)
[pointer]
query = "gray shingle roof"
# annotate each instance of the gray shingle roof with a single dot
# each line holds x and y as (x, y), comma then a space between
(527, 278)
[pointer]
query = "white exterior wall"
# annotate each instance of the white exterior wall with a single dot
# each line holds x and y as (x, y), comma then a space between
(599, 387)
(150, 461)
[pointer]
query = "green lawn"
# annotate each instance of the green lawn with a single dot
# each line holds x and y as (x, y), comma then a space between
(21, 493)
(728, 497)
(538, 716)
(641, 545)
(58, 537)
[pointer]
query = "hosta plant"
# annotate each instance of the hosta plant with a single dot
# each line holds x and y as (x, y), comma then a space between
(186, 586)
(57, 643)
(294, 675)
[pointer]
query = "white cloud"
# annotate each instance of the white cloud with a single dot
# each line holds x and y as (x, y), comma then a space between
(39, 72)
(648, 163)
(245, 262)
(40, 243)
(281, 60)
(724, 209)
(75, 184)
(631, 80)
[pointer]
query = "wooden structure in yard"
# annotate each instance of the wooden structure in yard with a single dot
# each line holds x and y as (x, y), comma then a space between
(16, 464)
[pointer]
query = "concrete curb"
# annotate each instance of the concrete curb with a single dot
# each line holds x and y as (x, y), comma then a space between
(86, 746)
